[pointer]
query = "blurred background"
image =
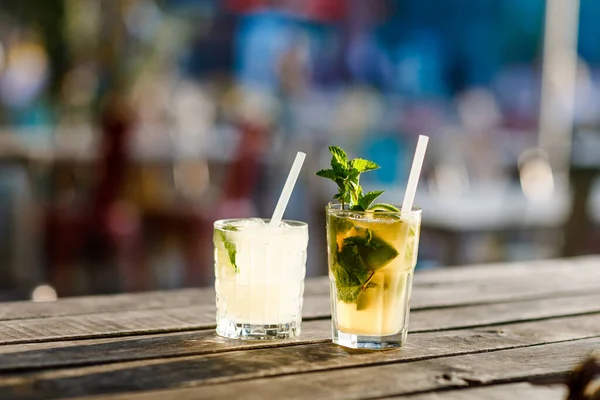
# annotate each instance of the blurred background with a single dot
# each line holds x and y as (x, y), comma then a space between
(128, 126)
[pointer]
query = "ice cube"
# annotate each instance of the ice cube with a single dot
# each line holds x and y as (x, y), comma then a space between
(284, 225)
(254, 222)
(248, 223)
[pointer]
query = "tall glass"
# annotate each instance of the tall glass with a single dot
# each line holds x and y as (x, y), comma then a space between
(372, 256)
(259, 274)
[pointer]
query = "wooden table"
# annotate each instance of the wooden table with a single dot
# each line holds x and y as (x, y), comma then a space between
(484, 332)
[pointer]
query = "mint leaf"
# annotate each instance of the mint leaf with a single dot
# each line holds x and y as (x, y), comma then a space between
(350, 274)
(347, 287)
(328, 173)
(362, 165)
(348, 294)
(339, 162)
(354, 262)
(346, 174)
(350, 259)
(365, 200)
(230, 247)
(353, 175)
(374, 252)
(339, 156)
(354, 192)
(340, 170)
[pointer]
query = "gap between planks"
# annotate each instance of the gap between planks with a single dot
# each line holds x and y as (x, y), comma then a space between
(492, 392)
(133, 323)
(326, 358)
(557, 275)
(317, 371)
(149, 347)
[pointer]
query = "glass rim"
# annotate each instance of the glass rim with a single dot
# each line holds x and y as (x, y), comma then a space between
(293, 224)
(337, 207)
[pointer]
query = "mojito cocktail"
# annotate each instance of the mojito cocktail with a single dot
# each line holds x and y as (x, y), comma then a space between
(372, 252)
(372, 256)
(259, 273)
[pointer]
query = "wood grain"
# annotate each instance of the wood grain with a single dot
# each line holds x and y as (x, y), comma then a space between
(502, 312)
(136, 322)
(102, 304)
(525, 391)
(583, 265)
(440, 287)
(487, 274)
(203, 317)
(325, 357)
(145, 347)
(104, 325)
(495, 290)
(461, 371)
(63, 353)
(476, 332)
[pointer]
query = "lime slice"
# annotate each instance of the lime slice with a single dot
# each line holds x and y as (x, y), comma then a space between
(231, 250)
(383, 207)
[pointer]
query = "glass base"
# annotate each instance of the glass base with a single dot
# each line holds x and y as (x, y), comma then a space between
(231, 330)
(369, 342)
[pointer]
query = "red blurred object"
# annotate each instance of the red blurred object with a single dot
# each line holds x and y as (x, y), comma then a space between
(317, 10)
(107, 226)
(244, 170)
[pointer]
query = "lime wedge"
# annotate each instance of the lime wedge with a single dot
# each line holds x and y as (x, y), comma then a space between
(383, 207)
(231, 250)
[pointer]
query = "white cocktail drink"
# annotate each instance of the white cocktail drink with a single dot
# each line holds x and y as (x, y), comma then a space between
(259, 274)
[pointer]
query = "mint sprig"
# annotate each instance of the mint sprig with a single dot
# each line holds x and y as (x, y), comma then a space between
(354, 261)
(346, 174)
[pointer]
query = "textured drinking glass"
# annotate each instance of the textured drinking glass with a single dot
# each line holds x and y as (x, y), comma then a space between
(259, 281)
(372, 256)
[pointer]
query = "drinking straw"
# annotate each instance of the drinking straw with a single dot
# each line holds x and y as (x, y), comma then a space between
(415, 172)
(284, 198)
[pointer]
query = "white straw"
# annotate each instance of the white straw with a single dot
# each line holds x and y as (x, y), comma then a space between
(284, 198)
(415, 172)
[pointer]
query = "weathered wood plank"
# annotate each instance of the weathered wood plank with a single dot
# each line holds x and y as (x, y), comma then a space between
(584, 265)
(64, 353)
(503, 366)
(203, 317)
(504, 312)
(101, 304)
(443, 287)
(98, 351)
(394, 379)
(496, 291)
(105, 325)
(496, 392)
(564, 274)
(120, 323)
(329, 359)
(197, 358)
